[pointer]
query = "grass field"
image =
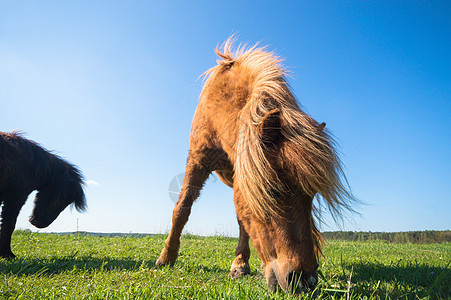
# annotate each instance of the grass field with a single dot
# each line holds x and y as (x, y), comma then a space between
(74, 266)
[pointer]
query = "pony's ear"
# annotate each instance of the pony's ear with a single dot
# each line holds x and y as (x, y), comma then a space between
(321, 126)
(270, 127)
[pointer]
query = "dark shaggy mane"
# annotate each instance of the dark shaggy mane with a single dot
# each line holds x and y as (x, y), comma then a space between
(41, 167)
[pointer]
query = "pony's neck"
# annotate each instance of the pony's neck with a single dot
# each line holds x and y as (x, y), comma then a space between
(48, 169)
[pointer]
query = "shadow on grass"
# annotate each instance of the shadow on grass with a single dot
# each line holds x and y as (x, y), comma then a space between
(24, 266)
(399, 280)
(21, 266)
(214, 269)
(190, 266)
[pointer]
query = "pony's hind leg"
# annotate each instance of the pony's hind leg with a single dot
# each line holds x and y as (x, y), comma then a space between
(240, 265)
(195, 176)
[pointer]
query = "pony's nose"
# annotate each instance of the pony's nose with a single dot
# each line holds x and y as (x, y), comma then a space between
(312, 281)
(309, 281)
(303, 282)
(33, 220)
(39, 222)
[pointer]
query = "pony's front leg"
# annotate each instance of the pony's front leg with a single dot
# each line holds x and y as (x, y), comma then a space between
(240, 265)
(12, 203)
(195, 176)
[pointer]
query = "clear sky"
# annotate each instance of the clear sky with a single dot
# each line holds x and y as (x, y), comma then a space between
(112, 87)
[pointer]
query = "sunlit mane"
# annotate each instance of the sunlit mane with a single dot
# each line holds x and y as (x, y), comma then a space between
(309, 147)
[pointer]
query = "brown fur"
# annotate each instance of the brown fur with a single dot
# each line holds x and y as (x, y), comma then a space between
(250, 130)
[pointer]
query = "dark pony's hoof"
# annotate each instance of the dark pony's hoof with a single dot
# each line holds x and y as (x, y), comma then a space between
(7, 255)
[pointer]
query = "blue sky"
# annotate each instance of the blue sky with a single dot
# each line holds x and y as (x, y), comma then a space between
(112, 87)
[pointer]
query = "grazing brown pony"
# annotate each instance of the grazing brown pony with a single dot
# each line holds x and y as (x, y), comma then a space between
(25, 167)
(249, 129)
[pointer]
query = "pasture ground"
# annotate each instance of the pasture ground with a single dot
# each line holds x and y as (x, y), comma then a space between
(80, 266)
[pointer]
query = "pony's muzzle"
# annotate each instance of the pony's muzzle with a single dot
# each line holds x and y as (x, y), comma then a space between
(295, 282)
(33, 221)
(39, 222)
(302, 282)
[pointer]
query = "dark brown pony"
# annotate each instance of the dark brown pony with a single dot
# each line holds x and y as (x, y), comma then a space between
(25, 167)
(249, 129)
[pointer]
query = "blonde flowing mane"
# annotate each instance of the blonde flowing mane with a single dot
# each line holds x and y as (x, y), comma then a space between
(308, 147)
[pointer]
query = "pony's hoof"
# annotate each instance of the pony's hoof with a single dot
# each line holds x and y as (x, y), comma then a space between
(159, 263)
(240, 271)
(8, 255)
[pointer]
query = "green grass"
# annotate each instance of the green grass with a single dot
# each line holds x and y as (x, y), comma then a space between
(91, 267)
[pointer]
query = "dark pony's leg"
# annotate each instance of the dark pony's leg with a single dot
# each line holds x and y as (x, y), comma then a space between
(195, 175)
(12, 203)
(240, 265)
